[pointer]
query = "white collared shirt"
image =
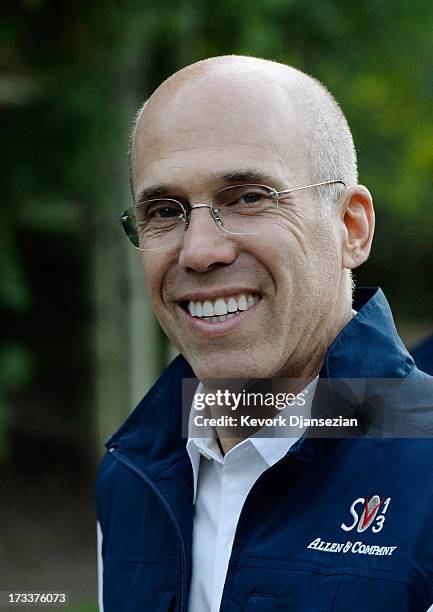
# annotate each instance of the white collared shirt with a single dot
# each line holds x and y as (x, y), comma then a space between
(221, 486)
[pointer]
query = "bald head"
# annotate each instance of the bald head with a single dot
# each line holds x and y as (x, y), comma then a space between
(304, 108)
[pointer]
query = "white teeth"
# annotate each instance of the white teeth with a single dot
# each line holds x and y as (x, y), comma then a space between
(242, 302)
(220, 307)
(232, 305)
(208, 309)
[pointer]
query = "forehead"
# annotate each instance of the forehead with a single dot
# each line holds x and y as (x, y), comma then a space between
(205, 125)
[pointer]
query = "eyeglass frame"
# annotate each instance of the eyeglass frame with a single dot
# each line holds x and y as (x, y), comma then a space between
(185, 216)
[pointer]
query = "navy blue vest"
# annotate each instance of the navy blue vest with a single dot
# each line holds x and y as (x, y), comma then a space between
(336, 525)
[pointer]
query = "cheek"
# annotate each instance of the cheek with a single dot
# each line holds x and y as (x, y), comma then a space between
(309, 259)
(154, 277)
(325, 263)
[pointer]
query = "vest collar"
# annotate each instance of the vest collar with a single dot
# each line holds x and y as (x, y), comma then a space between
(368, 346)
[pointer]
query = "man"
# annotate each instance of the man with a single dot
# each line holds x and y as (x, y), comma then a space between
(249, 219)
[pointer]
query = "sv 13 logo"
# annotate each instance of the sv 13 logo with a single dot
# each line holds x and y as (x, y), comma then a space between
(372, 511)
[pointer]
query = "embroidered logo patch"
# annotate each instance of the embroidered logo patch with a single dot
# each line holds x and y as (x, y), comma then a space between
(371, 510)
(366, 513)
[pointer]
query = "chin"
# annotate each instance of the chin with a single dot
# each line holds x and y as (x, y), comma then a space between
(221, 368)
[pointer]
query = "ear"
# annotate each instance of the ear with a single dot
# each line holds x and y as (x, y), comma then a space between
(358, 227)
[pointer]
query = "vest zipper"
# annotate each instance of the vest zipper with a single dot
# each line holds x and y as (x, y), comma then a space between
(252, 492)
(178, 532)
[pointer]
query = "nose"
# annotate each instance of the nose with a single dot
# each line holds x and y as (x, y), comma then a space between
(204, 244)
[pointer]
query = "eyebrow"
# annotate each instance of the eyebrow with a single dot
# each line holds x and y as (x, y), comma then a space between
(230, 177)
(247, 175)
(150, 193)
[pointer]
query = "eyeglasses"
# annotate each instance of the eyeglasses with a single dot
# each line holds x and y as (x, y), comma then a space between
(156, 224)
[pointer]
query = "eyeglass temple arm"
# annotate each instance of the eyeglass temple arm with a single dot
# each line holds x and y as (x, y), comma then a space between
(287, 191)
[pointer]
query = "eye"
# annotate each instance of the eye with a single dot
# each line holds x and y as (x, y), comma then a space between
(159, 211)
(243, 195)
(252, 197)
(163, 212)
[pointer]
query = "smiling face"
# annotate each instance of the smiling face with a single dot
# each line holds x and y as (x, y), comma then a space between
(281, 294)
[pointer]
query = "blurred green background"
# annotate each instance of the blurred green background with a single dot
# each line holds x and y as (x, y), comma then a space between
(79, 344)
